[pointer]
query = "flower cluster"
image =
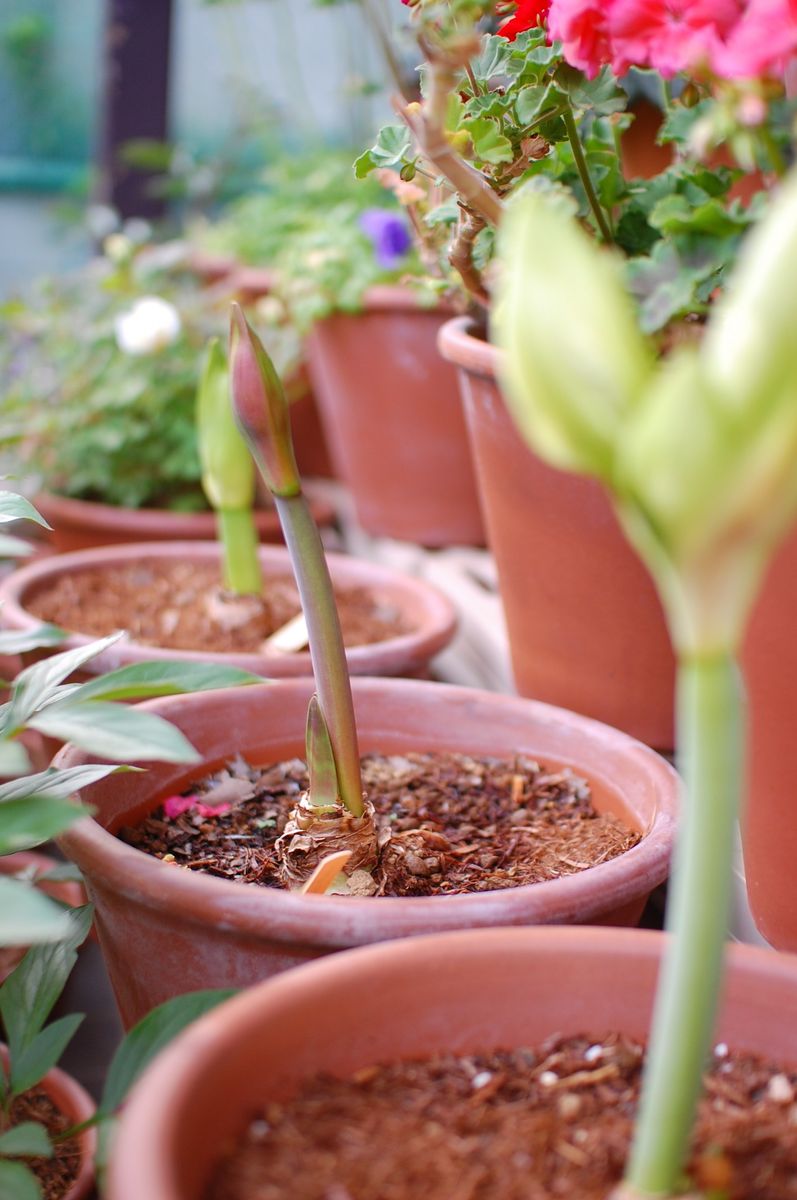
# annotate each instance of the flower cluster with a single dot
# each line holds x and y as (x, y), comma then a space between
(730, 39)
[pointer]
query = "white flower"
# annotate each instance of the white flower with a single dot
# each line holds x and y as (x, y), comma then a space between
(150, 325)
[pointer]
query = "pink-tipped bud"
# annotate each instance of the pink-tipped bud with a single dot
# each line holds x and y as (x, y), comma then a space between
(260, 408)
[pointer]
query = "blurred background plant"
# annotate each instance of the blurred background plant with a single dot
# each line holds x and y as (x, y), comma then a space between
(98, 377)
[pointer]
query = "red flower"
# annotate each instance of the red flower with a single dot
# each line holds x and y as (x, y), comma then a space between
(528, 15)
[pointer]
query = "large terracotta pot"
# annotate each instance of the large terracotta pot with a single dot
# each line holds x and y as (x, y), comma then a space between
(428, 614)
(456, 994)
(585, 626)
(393, 421)
(165, 930)
(769, 830)
(81, 524)
(75, 1102)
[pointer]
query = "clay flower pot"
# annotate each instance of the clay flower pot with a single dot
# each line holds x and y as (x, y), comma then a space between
(75, 1102)
(81, 524)
(393, 421)
(769, 828)
(586, 629)
(164, 930)
(426, 612)
(452, 994)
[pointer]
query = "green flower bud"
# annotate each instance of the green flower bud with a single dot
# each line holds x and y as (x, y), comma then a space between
(261, 409)
(228, 473)
(575, 362)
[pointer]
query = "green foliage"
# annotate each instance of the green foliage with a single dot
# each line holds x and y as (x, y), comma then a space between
(91, 421)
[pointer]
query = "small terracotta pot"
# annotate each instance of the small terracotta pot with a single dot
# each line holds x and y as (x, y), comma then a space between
(210, 267)
(82, 524)
(393, 421)
(456, 994)
(586, 629)
(29, 862)
(427, 613)
(769, 830)
(164, 930)
(74, 1102)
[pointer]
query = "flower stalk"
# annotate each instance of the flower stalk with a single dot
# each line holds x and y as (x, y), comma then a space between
(261, 412)
(710, 731)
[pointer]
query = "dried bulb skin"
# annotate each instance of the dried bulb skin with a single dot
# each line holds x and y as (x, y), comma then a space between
(313, 833)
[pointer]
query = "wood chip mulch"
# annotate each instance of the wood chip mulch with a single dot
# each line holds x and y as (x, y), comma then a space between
(56, 1174)
(456, 823)
(548, 1123)
(174, 605)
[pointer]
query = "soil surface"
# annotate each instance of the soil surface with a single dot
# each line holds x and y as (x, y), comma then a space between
(57, 1174)
(450, 823)
(528, 1124)
(180, 606)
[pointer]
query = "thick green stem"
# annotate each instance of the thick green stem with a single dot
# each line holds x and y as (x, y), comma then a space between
(586, 179)
(710, 725)
(326, 643)
(239, 541)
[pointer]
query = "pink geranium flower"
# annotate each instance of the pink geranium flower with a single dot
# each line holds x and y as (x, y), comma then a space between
(761, 43)
(582, 28)
(669, 35)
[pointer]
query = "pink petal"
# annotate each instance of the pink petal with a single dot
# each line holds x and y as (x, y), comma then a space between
(212, 810)
(175, 806)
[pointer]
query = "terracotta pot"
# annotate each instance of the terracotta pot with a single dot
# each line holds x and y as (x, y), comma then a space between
(27, 861)
(456, 994)
(165, 931)
(585, 625)
(427, 613)
(393, 421)
(75, 1102)
(81, 524)
(769, 831)
(210, 267)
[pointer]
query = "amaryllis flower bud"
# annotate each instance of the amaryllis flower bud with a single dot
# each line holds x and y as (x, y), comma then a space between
(150, 325)
(228, 473)
(261, 409)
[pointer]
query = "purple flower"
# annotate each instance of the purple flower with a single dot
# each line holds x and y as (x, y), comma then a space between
(389, 234)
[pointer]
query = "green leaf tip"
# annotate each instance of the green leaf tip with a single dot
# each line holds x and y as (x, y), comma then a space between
(261, 409)
(228, 473)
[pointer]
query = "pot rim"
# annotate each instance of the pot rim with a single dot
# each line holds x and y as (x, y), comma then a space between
(438, 625)
(153, 1114)
(97, 514)
(342, 920)
(458, 344)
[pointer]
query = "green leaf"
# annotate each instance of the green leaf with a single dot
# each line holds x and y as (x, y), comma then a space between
(149, 1036)
(38, 684)
(489, 143)
(320, 757)
(30, 991)
(27, 916)
(14, 758)
(57, 784)
(16, 508)
(392, 144)
(114, 731)
(18, 641)
(17, 1182)
(494, 58)
(27, 823)
(14, 547)
(65, 872)
(27, 1140)
(533, 101)
(143, 680)
(29, 1066)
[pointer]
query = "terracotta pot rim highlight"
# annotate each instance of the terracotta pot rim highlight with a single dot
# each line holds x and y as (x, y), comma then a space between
(434, 631)
(397, 297)
(328, 920)
(153, 1117)
(458, 343)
